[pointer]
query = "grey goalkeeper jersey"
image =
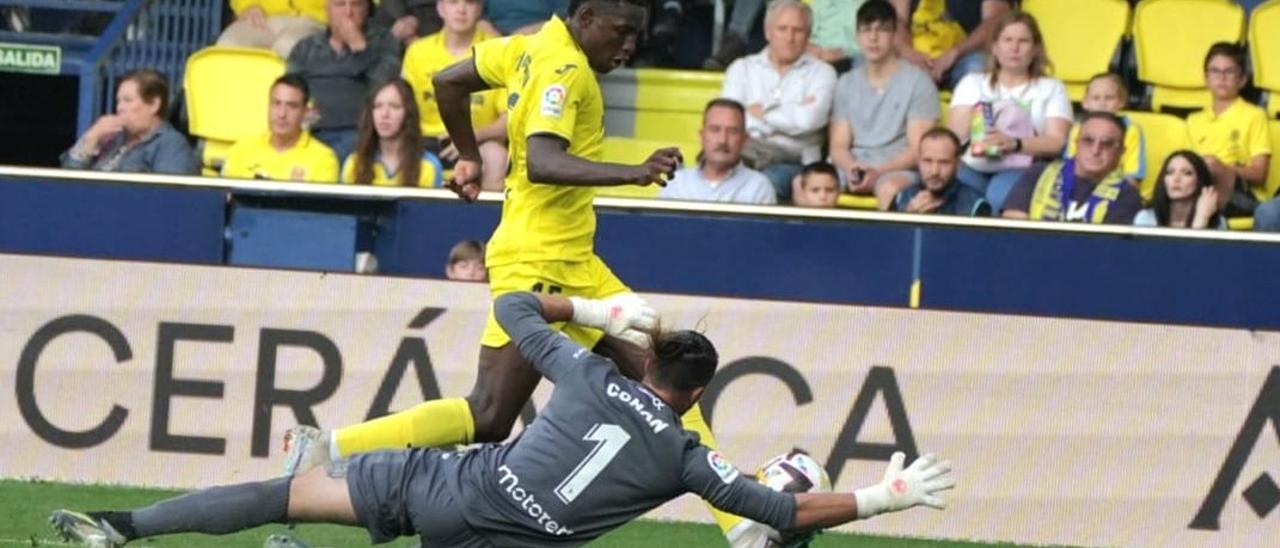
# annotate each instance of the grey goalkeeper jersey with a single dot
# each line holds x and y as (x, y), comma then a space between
(604, 451)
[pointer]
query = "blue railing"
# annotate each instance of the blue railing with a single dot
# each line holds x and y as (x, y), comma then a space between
(156, 34)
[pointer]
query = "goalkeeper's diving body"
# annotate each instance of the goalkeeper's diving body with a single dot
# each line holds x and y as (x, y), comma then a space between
(605, 450)
(545, 239)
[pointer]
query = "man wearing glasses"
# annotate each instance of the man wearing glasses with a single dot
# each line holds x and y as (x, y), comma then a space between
(1086, 189)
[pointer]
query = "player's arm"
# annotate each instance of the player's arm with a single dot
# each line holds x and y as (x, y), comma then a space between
(551, 163)
(454, 86)
(526, 316)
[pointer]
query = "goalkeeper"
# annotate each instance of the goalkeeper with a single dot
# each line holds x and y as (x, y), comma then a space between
(606, 450)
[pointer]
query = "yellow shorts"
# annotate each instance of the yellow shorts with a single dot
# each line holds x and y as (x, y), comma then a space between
(591, 279)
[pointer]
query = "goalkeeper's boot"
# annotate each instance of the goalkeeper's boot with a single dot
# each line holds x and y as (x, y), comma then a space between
(307, 447)
(88, 531)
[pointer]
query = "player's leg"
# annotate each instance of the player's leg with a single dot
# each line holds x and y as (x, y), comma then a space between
(214, 511)
(453, 421)
(607, 285)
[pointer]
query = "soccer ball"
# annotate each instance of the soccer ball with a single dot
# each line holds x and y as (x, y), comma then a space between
(794, 472)
(791, 472)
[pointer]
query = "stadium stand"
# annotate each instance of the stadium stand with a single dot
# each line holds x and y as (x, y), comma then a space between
(1165, 133)
(1083, 38)
(1170, 40)
(226, 95)
(1264, 47)
(155, 34)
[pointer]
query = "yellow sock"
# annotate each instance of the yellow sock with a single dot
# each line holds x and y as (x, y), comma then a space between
(694, 422)
(436, 423)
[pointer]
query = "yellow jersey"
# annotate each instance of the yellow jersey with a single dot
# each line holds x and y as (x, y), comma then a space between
(307, 160)
(553, 91)
(428, 56)
(1234, 137)
(428, 174)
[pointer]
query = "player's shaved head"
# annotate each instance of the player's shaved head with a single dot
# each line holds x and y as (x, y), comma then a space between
(575, 4)
(686, 360)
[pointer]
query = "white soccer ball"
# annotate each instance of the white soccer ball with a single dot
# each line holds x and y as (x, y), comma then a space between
(791, 472)
(794, 472)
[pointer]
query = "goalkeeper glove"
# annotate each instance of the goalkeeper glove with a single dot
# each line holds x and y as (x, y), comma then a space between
(901, 489)
(625, 316)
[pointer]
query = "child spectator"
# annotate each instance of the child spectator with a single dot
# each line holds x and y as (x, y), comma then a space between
(819, 186)
(1231, 135)
(1106, 92)
(466, 262)
(389, 143)
(1185, 197)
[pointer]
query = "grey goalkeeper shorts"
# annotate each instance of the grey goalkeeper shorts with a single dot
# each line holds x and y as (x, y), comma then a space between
(402, 493)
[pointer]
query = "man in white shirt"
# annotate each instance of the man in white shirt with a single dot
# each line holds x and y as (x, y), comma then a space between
(720, 175)
(787, 93)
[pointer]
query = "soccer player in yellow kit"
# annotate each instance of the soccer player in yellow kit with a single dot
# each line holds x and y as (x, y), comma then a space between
(545, 240)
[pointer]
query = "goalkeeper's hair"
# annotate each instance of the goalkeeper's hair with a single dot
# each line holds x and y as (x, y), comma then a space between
(575, 4)
(686, 360)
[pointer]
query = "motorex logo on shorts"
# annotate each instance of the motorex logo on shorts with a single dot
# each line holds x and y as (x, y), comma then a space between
(722, 467)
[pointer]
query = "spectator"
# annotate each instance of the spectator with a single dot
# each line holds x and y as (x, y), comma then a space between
(1085, 189)
(408, 19)
(277, 25)
(523, 16)
(1016, 112)
(286, 152)
(938, 190)
(947, 37)
(137, 138)
(819, 186)
(834, 37)
(1231, 135)
(389, 147)
(1185, 197)
(1267, 217)
(1106, 92)
(720, 175)
(787, 93)
(430, 55)
(466, 262)
(341, 66)
(880, 111)
(735, 40)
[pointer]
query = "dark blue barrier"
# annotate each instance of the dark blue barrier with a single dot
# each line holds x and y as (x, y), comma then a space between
(92, 219)
(1224, 283)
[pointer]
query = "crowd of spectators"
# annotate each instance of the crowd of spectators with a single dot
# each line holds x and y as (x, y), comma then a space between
(842, 99)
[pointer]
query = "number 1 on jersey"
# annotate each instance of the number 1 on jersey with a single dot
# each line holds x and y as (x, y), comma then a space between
(609, 440)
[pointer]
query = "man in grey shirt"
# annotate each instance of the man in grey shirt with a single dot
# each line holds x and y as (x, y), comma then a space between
(341, 66)
(605, 450)
(880, 111)
(719, 175)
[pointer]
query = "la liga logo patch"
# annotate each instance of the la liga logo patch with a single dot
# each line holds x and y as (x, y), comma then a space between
(721, 467)
(553, 100)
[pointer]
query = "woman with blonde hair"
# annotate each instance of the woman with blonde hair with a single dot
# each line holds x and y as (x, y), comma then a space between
(1013, 114)
(389, 146)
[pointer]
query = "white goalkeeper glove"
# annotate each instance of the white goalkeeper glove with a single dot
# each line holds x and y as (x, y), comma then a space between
(901, 489)
(625, 316)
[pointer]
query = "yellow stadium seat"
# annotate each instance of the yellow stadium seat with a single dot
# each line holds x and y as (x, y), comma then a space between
(1272, 187)
(624, 150)
(1171, 38)
(855, 201)
(1164, 134)
(1080, 36)
(669, 103)
(1264, 45)
(227, 96)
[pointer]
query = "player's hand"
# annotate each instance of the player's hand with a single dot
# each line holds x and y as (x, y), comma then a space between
(900, 489)
(466, 180)
(659, 168)
(626, 316)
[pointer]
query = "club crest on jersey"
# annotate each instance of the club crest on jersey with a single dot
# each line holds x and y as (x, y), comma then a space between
(553, 101)
(721, 467)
